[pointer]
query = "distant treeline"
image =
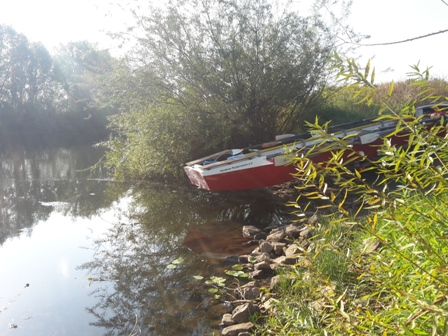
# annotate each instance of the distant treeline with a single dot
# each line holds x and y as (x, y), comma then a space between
(51, 99)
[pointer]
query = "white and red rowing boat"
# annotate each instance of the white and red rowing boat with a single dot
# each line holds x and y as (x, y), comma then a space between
(270, 164)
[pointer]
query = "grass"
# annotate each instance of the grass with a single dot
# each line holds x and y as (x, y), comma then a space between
(348, 289)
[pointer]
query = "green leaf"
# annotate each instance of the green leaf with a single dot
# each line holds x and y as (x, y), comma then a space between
(198, 277)
(238, 274)
(178, 261)
(237, 267)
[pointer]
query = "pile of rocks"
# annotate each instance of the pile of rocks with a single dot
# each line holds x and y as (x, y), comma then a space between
(279, 247)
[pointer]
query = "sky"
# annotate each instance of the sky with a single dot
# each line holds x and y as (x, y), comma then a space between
(53, 22)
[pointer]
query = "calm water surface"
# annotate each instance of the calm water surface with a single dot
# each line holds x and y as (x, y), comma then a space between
(81, 254)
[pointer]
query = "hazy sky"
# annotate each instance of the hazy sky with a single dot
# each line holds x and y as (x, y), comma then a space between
(396, 20)
(59, 21)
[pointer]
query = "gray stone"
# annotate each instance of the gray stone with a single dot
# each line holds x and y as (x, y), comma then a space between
(265, 247)
(267, 305)
(313, 220)
(275, 280)
(304, 244)
(279, 260)
(248, 266)
(263, 257)
(243, 259)
(275, 266)
(249, 231)
(263, 266)
(283, 260)
(278, 247)
(276, 235)
(260, 236)
(259, 274)
(292, 249)
(256, 252)
(236, 329)
(292, 259)
(307, 232)
(227, 320)
(242, 313)
(249, 293)
(293, 231)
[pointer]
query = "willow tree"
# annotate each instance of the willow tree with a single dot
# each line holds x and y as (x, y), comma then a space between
(231, 72)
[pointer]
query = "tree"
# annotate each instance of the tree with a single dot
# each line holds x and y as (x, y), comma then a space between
(252, 64)
(86, 70)
(46, 98)
(29, 79)
(234, 72)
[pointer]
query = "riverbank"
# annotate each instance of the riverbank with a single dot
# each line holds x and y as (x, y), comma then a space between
(276, 249)
(381, 275)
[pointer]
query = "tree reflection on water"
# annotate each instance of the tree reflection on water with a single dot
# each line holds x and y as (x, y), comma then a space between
(33, 180)
(129, 270)
(131, 285)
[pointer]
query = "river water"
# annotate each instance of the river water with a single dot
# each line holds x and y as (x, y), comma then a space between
(82, 254)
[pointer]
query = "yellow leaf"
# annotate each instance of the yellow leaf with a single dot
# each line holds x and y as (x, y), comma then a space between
(375, 220)
(391, 89)
(366, 73)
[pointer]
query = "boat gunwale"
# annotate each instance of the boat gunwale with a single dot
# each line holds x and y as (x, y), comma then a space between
(291, 140)
(259, 152)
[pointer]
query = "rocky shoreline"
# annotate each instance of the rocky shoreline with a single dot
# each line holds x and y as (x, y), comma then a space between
(275, 248)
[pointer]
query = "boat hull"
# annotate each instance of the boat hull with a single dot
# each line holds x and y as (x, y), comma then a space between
(270, 164)
(260, 172)
(250, 178)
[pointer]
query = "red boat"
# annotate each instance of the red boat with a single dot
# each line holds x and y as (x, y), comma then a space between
(270, 164)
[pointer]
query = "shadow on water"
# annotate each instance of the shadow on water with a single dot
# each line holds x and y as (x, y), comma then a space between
(131, 288)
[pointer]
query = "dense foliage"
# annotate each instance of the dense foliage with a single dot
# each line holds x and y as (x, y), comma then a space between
(377, 264)
(217, 74)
